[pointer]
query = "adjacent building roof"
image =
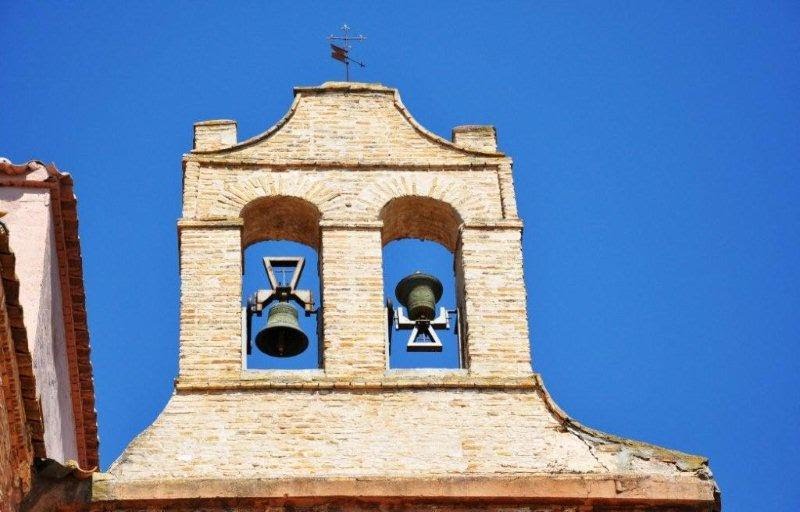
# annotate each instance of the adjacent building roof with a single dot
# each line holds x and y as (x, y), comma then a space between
(23, 426)
(63, 204)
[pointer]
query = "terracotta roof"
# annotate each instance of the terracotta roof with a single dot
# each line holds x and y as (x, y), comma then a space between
(24, 426)
(68, 249)
(6, 167)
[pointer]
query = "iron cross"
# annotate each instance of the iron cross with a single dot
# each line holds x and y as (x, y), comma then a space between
(342, 53)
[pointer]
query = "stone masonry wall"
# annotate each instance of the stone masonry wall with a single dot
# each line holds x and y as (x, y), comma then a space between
(361, 505)
(211, 320)
(361, 433)
(353, 315)
(338, 193)
(348, 151)
(495, 301)
(346, 171)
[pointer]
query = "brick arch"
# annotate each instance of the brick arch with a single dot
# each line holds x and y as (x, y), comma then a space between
(468, 206)
(420, 217)
(236, 196)
(281, 218)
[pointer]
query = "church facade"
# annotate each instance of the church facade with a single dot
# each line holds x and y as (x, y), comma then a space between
(346, 171)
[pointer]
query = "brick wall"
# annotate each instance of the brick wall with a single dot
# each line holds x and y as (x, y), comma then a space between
(211, 325)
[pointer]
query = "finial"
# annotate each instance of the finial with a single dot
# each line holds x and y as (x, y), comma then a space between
(342, 53)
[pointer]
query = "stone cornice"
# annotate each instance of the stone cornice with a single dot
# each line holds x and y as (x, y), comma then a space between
(585, 489)
(513, 224)
(312, 381)
(351, 224)
(238, 162)
(345, 224)
(209, 223)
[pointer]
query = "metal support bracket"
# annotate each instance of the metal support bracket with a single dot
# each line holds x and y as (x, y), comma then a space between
(423, 336)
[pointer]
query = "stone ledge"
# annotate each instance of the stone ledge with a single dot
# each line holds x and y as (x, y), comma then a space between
(404, 380)
(493, 224)
(350, 224)
(215, 122)
(344, 86)
(346, 224)
(584, 488)
(279, 165)
(209, 223)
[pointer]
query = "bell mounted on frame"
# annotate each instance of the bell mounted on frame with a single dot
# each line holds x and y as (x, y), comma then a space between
(282, 335)
(419, 293)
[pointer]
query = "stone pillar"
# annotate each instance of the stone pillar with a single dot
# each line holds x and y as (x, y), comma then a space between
(353, 316)
(477, 137)
(216, 134)
(494, 300)
(211, 283)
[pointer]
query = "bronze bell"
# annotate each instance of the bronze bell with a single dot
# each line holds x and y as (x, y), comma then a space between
(282, 337)
(419, 293)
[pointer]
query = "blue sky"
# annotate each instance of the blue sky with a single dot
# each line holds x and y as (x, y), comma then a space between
(656, 148)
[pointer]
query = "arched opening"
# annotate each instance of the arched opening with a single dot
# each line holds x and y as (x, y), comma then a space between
(420, 217)
(281, 218)
(421, 234)
(279, 228)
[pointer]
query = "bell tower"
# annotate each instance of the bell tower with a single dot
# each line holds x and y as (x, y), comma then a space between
(346, 171)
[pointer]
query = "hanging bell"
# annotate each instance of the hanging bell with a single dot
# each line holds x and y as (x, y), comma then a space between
(282, 337)
(419, 293)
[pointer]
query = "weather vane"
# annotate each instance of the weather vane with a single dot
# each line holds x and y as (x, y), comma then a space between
(342, 53)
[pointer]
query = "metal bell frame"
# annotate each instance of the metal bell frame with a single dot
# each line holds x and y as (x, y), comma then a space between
(419, 293)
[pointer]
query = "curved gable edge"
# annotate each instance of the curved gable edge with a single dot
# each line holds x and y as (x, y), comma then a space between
(301, 92)
(685, 463)
(398, 103)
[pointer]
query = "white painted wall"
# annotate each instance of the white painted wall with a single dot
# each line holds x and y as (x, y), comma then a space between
(32, 239)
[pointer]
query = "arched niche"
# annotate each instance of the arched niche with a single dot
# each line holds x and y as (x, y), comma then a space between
(274, 226)
(281, 218)
(420, 217)
(422, 234)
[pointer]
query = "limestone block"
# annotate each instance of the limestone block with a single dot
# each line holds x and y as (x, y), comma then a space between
(217, 134)
(477, 137)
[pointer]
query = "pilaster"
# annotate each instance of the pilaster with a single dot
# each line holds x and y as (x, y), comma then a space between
(353, 316)
(494, 300)
(211, 282)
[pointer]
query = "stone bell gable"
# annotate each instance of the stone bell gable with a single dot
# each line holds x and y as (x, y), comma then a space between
(324, 126)
(346, 171)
